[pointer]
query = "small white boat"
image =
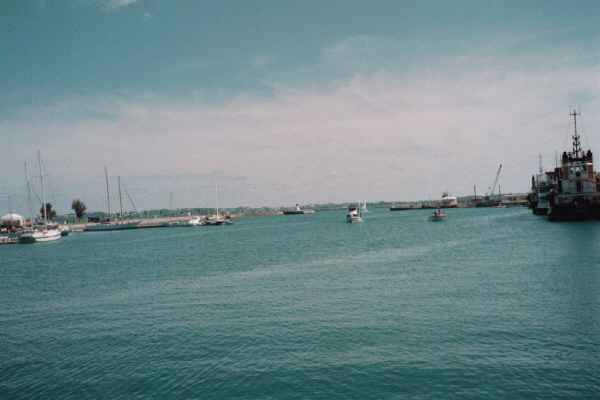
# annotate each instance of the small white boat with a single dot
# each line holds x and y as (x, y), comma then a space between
(40, 235)
(196, 221)
(353, 216)
(363, 208)
(438, 215)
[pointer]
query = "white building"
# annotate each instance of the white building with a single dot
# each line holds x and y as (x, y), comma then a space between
(12, 219)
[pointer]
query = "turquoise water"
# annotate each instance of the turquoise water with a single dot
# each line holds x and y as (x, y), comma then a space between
(491, 304)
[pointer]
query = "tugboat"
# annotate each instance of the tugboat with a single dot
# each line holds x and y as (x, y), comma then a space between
(353, 215)
(576, 193)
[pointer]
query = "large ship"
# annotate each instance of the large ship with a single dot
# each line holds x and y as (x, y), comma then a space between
(575, 194)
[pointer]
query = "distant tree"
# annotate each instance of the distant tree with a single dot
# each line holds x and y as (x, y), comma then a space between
(79, 207)
(50, 213)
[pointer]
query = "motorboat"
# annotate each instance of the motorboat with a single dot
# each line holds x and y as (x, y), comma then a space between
(353, 216)
(438, 215)
(196, 221)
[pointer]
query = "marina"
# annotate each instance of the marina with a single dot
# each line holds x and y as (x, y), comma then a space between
(299, 200)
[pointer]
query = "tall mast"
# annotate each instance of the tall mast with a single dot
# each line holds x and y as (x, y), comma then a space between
(541, 168)
(120, 199)
(576, 138)
(107, 192)
(44, 210)
(29, 194)
(217, 198)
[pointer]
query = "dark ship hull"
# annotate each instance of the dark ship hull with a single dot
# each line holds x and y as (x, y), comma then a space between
(293, 212)
(539, 211)
(574, 208)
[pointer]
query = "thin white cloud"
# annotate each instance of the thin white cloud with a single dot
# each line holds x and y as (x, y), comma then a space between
(380, 135)
(116, 4)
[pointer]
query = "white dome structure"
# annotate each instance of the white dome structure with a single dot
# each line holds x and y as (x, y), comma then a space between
(12, 219)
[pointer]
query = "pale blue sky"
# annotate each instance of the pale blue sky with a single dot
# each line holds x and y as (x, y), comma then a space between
(291, 101)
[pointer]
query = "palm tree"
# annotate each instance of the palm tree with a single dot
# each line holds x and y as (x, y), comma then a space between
(79, 207)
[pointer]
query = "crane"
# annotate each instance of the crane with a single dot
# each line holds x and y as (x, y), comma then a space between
(496, 180)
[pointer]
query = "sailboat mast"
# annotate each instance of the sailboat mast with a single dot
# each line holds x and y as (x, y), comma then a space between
(107, 192)
(44, 210)
(217, 199)
(120, 199)
(29, 194)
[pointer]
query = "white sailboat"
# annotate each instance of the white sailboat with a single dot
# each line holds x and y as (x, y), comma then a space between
(120, 224)
(45, 232)
(217, 219)
(363, 208)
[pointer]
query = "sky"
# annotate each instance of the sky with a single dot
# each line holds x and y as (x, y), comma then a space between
(281, 102)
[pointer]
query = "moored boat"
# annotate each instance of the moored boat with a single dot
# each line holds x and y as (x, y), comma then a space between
(118, 224)
(217, 219)
(44, 232)
(295, 211)
(575, 193)
(196, 221)
(448, 201)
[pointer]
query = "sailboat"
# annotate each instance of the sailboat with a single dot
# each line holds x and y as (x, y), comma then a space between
(218, 219)
(363, 208)
(120, 224)
(45, 232)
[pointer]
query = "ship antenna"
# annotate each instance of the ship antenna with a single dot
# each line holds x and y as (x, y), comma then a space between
(576, 141)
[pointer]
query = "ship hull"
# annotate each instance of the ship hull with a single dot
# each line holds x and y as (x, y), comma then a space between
(574, 213)
(575, 208)
(539, 211)
(293, 212)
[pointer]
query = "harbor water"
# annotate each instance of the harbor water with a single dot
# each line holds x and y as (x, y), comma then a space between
(490, 304)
